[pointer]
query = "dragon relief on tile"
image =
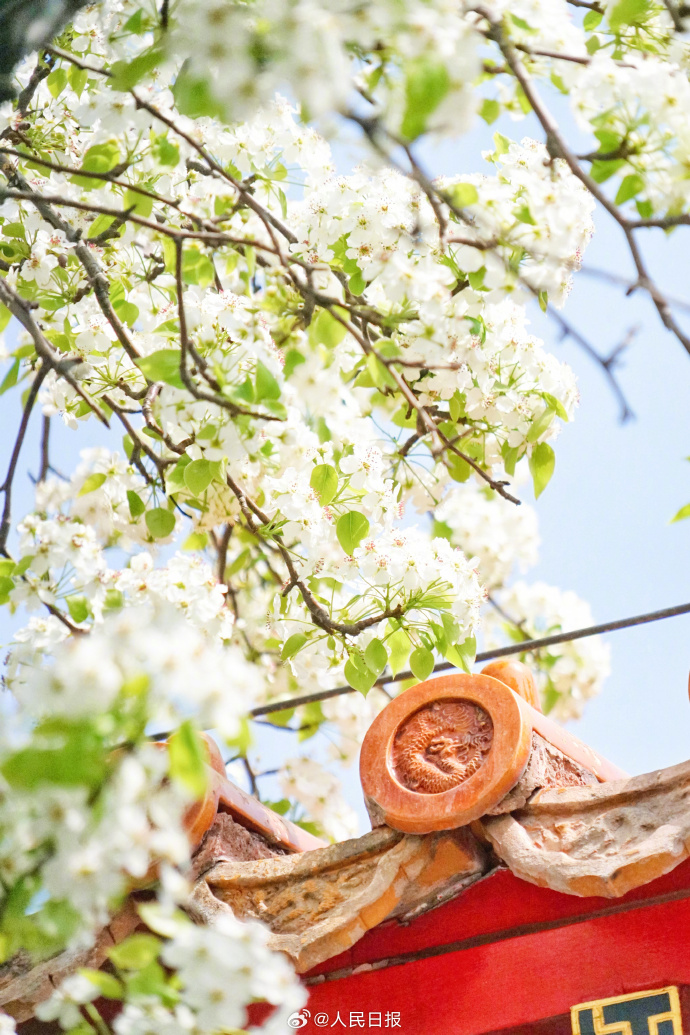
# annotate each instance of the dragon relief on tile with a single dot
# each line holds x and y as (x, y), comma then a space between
(441, 745)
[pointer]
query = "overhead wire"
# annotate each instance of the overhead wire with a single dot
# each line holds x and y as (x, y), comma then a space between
(522, 647)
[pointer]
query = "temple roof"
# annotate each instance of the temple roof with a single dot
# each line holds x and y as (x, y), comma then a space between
(518, 794)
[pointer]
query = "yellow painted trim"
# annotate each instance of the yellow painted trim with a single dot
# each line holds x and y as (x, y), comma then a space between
(624, 1028)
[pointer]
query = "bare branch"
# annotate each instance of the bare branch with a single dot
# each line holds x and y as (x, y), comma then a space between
(6, 487)
(59, 363)
(45, 451)
(558, 148)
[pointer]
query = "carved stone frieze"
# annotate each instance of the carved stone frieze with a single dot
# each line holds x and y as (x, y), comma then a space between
(319, 903)
(599, 840)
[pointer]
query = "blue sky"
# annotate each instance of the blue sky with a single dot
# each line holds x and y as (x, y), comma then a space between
(605, 516)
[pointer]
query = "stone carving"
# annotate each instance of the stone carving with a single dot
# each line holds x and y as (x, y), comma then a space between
(443, 752)
(441, 745)
(603, 840)
(317, 904)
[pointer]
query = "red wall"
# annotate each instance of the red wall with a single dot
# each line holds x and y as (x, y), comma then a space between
(506, 954)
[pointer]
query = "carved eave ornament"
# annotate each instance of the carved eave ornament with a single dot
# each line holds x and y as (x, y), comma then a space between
(461, 775)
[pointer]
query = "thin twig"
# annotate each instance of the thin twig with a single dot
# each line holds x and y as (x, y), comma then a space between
(6, 488)
(45, 451)
(607, 363)
(558, 148)
(59, 363)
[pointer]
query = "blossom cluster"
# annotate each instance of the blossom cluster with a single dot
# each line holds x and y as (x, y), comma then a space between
(219, 970)
(322, 394)
(567, 674)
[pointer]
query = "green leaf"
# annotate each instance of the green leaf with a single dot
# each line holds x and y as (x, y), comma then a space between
(193, 97)
(541, 464)
(10, 378)
(501, 143)
(458, 468)
(630, 186)
(126, 74)
(399, 646)
(522, 212)
(240, 562)
(379, 373)
(489, 110)
(23, 565)
(266, 385)
(187, 759)
(592, 20)
(5, 317)
(376, 657)
(350, 530)
(65, 753)
(463, 194)
(78, 608)
(93, 482)
(476, 279)
(326, 330)
(324, 482)
(159, 920)
(101, 224)
(422, 663)
(450, 627)
(100, 158)
(136, 504)
(77, 78)
(6, 587)
(166, 152)
(108, 986)
(549, 698)
(540, 424)
(174, 478)
(426, 84)
(196, 541)
(358, 674)
(141, 203)
(462, 655)
(312, 719)
(292, 645)
(601, 171)
(135, 952)
(57, 81)
(198, 475)
(283, 806)
(543, 298)
(197, 268)
(521, 23)
(160, 522)
(556, 405)
(456, 406)
(629, 12)
(293, 359)
(128, 312)
(150, 981)
(683, 513)
(163, 365)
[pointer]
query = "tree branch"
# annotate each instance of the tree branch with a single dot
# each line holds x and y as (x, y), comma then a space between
(6, 488)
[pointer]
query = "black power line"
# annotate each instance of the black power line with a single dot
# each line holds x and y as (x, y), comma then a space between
(487, 655)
